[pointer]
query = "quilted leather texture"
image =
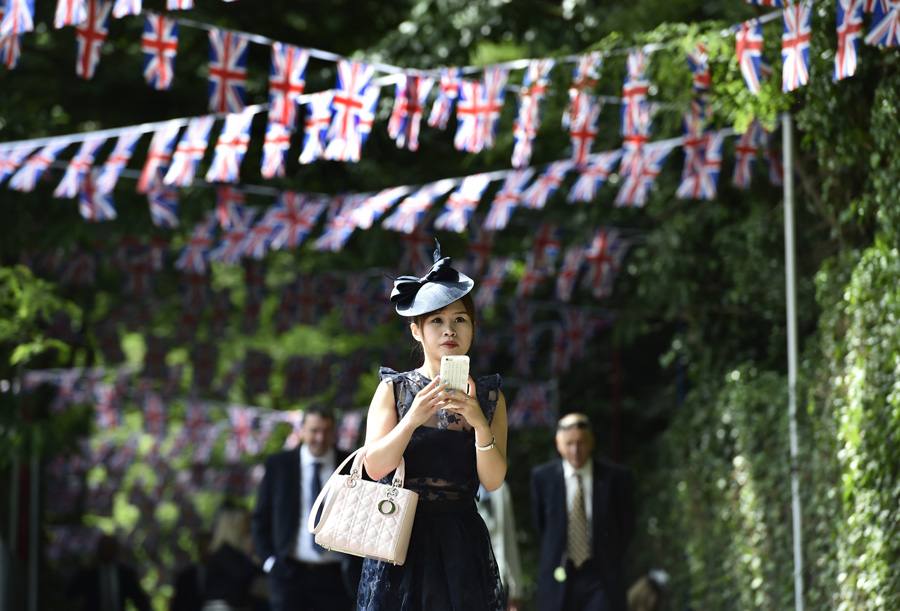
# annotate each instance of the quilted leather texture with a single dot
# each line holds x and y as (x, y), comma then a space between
(352, 523)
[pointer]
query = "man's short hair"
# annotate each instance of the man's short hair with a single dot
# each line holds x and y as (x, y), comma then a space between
(573, 421)
(319, 410)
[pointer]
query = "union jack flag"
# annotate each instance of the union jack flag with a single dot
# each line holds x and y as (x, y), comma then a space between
(604, 256)
(11, 159)
(93, 205)
(700, 179)
(533, 407)
(745, 154)
(766, 3)
(478, 109)
(577, 326)
(159, 45)
(18, 18)
(795, 45)
(406, 117)
(525, 128)
(418, 247)
(78, 167)
(462, 203)
(10, 49)
(158, 155)
(123, 8)
(163, 203)
(490, 284)
(317, 121)
(523, 333)
(194, 256)
(179, 5)
(532, 276)
(275, 149)
(230, 148)
(447, 94)
(286, 83)
(227, 71)
(698, 62)
(481, 242)
(536, 196)
(229, 206)
(411, 210)
(633, 144)
(292, 219)
(593, 176)
(256, 242)
(634, 92)
(506, 200)
(636, 186)
(230, 248)
(583, 130)
(885, 29)
(546, 246)
(189, 152)
(91, 35)
(348, 104)
(69, 12)
(25, 179)
(116, 162)
(568, 274)
(748, 49)
(341, 225)
(584, 79)
(849, 31)
(373, 207)
(243, 438)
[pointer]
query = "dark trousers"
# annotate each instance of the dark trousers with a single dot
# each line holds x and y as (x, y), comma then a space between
(301, 586)
(585, 590)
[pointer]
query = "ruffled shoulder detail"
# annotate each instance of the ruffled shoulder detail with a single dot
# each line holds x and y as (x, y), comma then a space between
(388, 374)
(488, 389)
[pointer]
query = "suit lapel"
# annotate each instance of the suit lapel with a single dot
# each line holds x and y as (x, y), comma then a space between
(294, 483)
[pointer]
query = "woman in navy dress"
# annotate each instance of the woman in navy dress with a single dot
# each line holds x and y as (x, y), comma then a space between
(451, 441)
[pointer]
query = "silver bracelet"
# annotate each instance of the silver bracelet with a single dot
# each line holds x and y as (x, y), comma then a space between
(489, 446)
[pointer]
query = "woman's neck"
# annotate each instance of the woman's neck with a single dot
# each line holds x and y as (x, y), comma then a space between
(430, 368)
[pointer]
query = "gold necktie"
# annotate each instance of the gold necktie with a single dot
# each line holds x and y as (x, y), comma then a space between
(578, 542)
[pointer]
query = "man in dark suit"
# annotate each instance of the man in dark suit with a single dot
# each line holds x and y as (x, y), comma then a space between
(302, 575)
(583, 513)
(107, 584)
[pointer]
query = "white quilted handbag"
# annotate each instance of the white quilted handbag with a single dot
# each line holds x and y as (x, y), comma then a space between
(365, 518)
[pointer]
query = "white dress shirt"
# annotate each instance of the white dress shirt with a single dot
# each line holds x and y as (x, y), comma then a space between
(304, 549)
(587, 483)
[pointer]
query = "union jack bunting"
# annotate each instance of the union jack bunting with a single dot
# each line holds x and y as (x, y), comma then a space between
(231, 247)
(745, 154)
(409, 104)
(18, 18)
(412, 209)
(69, 12)
(193, 258)
(533, 407)
(585, 77)
(340, 226)
(885, 29)
(523, 333)
(526, 125)
(577, 327)
(448, 93)
(583, 130)
(462, 203)
(158, 155)
(163, 203)
(229, 206)
(25, 179)
(116, 162)
(159, 45)
(481, 242)
(316, 126)
(179, 5)
(490, 284)
(373, 207)
(536, 196)
(546, 247)
(634, 91)
(636, 186)
(256, 242)
(347, 104)
(795, 45)
(78, 167)
(189, 152)
(604, 256)
(11, 160)
(418, 247)
(227, 71)
(506, 200)
(700, 180)
(478, 109)
(849, 31)
(275, 149)
(91, 34)
(766, 3)
(230, 148)
(292, 219)
(748, 49)
(93, 205)
(286, 83)
(568, 273)
(698, 62)
(10, 49)
(123, 8)
(243, 438)
(593, 176)
(633, 144)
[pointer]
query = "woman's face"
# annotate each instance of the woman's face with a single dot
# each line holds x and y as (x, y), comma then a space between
(447, 331)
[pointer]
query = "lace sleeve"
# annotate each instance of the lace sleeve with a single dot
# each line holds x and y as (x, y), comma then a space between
(488, 388)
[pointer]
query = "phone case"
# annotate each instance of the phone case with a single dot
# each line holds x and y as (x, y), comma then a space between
(455, 372)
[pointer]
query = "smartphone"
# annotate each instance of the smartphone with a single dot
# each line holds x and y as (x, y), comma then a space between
(455, 371)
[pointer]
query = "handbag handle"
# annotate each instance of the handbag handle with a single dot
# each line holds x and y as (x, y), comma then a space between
(358, 457)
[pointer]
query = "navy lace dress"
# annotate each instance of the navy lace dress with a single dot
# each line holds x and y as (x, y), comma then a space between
(450, 565)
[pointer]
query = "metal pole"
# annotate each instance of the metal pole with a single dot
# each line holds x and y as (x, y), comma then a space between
(33, 513)
(787, 135)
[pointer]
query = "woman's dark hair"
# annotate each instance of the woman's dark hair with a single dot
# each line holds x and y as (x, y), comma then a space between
(468, 304)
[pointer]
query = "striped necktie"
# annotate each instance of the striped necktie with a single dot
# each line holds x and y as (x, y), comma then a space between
(578, 543)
